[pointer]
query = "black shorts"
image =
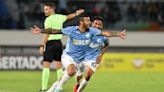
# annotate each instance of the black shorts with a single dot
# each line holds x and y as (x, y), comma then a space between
(53, 51)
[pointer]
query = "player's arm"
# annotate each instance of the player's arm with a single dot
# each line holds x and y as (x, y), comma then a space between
(103, 50)
(37, 30)
(66, 31)
(72, 15)
(121, 34)
(51, 31)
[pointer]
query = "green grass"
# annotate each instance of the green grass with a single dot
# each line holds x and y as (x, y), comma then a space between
(30, 81)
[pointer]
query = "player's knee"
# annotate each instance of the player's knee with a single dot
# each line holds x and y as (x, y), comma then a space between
(46, 64)
(89, 74)
(71, 72)
(58, 65)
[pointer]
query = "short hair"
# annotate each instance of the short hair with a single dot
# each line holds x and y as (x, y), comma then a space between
(51, 5)
(81, 17)
(98, 18)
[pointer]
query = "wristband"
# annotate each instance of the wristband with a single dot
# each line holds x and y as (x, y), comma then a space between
(76, 14)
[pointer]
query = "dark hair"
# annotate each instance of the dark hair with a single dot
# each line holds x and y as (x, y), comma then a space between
(81, 17)
(98, 18)
(51, 5)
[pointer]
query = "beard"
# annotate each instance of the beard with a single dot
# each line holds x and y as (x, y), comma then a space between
(86, 26)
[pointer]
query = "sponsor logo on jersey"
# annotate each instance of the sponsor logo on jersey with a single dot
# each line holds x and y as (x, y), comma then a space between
(93, 45)
(80, 42)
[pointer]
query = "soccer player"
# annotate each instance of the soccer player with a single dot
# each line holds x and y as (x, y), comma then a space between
(76, 46)
(51, 46)
(97, 47)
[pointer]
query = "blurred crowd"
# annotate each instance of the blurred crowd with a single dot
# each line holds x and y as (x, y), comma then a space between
(21, 14)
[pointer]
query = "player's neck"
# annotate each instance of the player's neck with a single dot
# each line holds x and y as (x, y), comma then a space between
(82, 29)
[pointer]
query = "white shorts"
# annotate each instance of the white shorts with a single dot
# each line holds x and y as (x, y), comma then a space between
(82, 67)
(67, 60)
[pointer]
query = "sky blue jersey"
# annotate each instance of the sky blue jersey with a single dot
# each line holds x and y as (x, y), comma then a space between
(95, 47)
(78, 42)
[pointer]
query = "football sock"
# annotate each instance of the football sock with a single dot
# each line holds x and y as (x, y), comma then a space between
(59, 73)
(64, 78)
(45, 77)
(53, 87)
(82, 85)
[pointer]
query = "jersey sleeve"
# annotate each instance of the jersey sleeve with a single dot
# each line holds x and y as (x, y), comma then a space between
(67, 30)
(62, 17)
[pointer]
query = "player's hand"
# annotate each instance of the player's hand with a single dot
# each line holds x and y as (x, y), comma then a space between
(41, 50)
(98, 60)
(122, 34)
(80, 11)
(35, 30)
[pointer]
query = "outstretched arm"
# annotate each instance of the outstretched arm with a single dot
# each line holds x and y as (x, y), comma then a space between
(51, 31)
(37, 30)
(121, 34)
(72, 15)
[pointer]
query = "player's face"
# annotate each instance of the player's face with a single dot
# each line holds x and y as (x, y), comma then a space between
(97, 24)
(47, 10)
(86, 22)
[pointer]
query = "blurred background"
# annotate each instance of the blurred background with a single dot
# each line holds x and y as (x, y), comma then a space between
(138, 60)
(134, 14)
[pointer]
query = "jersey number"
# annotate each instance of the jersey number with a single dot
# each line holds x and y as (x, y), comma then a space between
(93, 64)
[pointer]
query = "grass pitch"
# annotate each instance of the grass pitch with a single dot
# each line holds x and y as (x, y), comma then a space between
(30, 81)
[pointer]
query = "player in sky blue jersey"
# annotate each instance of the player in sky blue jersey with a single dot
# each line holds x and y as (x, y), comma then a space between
(76, 45)
(97, 47)
(78, 42)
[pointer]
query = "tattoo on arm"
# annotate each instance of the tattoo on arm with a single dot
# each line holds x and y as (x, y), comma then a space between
(51, 31)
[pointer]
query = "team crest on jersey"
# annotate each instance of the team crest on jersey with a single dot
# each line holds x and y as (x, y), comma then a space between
(87, 35)
(98, 40)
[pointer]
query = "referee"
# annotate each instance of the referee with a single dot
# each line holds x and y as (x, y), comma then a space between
(51, 46)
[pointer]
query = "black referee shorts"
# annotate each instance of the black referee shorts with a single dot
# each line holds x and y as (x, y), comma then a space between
(53, 51)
